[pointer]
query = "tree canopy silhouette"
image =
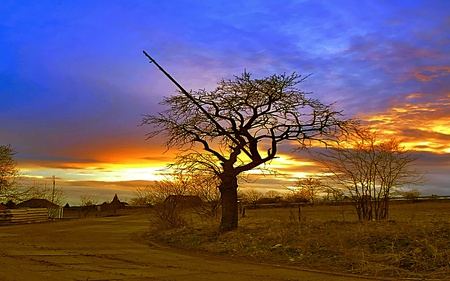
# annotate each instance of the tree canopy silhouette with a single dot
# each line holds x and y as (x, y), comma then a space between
(240, 124)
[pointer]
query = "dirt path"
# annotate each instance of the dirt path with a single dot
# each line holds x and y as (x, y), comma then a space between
(107, 249)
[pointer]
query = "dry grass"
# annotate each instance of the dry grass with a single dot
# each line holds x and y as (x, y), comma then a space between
(414, 244)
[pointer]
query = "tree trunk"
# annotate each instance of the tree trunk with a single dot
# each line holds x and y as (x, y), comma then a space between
(230, 208)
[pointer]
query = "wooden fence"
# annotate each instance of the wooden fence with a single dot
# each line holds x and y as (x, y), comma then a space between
(25, 215)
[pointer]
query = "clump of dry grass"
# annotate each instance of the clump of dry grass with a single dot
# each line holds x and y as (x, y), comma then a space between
(419, 249)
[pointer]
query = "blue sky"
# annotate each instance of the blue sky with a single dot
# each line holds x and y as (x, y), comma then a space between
(74, 82)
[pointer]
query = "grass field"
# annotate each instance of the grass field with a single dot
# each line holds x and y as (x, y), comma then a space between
(414, 243)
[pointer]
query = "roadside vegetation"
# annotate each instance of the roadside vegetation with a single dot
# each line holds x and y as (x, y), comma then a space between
(414, 243)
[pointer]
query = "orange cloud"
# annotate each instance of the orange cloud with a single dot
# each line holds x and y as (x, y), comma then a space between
(429, 73)
(420, 124)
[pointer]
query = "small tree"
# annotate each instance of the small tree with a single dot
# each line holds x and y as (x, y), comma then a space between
(168, 194)
(200, 170)
(333, 193)
(411, 195)
(143, 196)
(9, 175)
(370, 170)
(240, 125)
(88, 204)
(53, 194)
(205, 187)
(251, 195)
(296, 195)
(272, 194)
(310, 187)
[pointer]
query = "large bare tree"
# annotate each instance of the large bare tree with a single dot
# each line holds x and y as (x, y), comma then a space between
(240, 125)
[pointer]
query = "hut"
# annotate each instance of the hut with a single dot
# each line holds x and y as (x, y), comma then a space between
(114, 205)
(54, 211)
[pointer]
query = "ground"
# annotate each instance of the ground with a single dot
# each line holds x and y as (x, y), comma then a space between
(111, 248)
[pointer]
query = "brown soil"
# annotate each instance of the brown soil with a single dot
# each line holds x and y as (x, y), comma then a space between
(111, 249)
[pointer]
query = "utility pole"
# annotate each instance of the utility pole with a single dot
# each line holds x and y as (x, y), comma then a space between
(53, 189)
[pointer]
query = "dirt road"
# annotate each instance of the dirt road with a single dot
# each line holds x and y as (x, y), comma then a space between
(108, 249)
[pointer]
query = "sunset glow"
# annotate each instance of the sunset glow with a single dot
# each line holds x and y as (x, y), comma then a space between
(421, 126)
(74, 84)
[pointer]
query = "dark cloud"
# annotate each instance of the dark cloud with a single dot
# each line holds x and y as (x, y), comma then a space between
(433, 160)
(417, 134)
(162, 159)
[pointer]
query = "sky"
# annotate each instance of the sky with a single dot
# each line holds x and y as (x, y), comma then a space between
(74, 83)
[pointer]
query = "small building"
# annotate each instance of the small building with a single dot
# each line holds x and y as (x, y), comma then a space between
(114, 205)
(54, 211)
